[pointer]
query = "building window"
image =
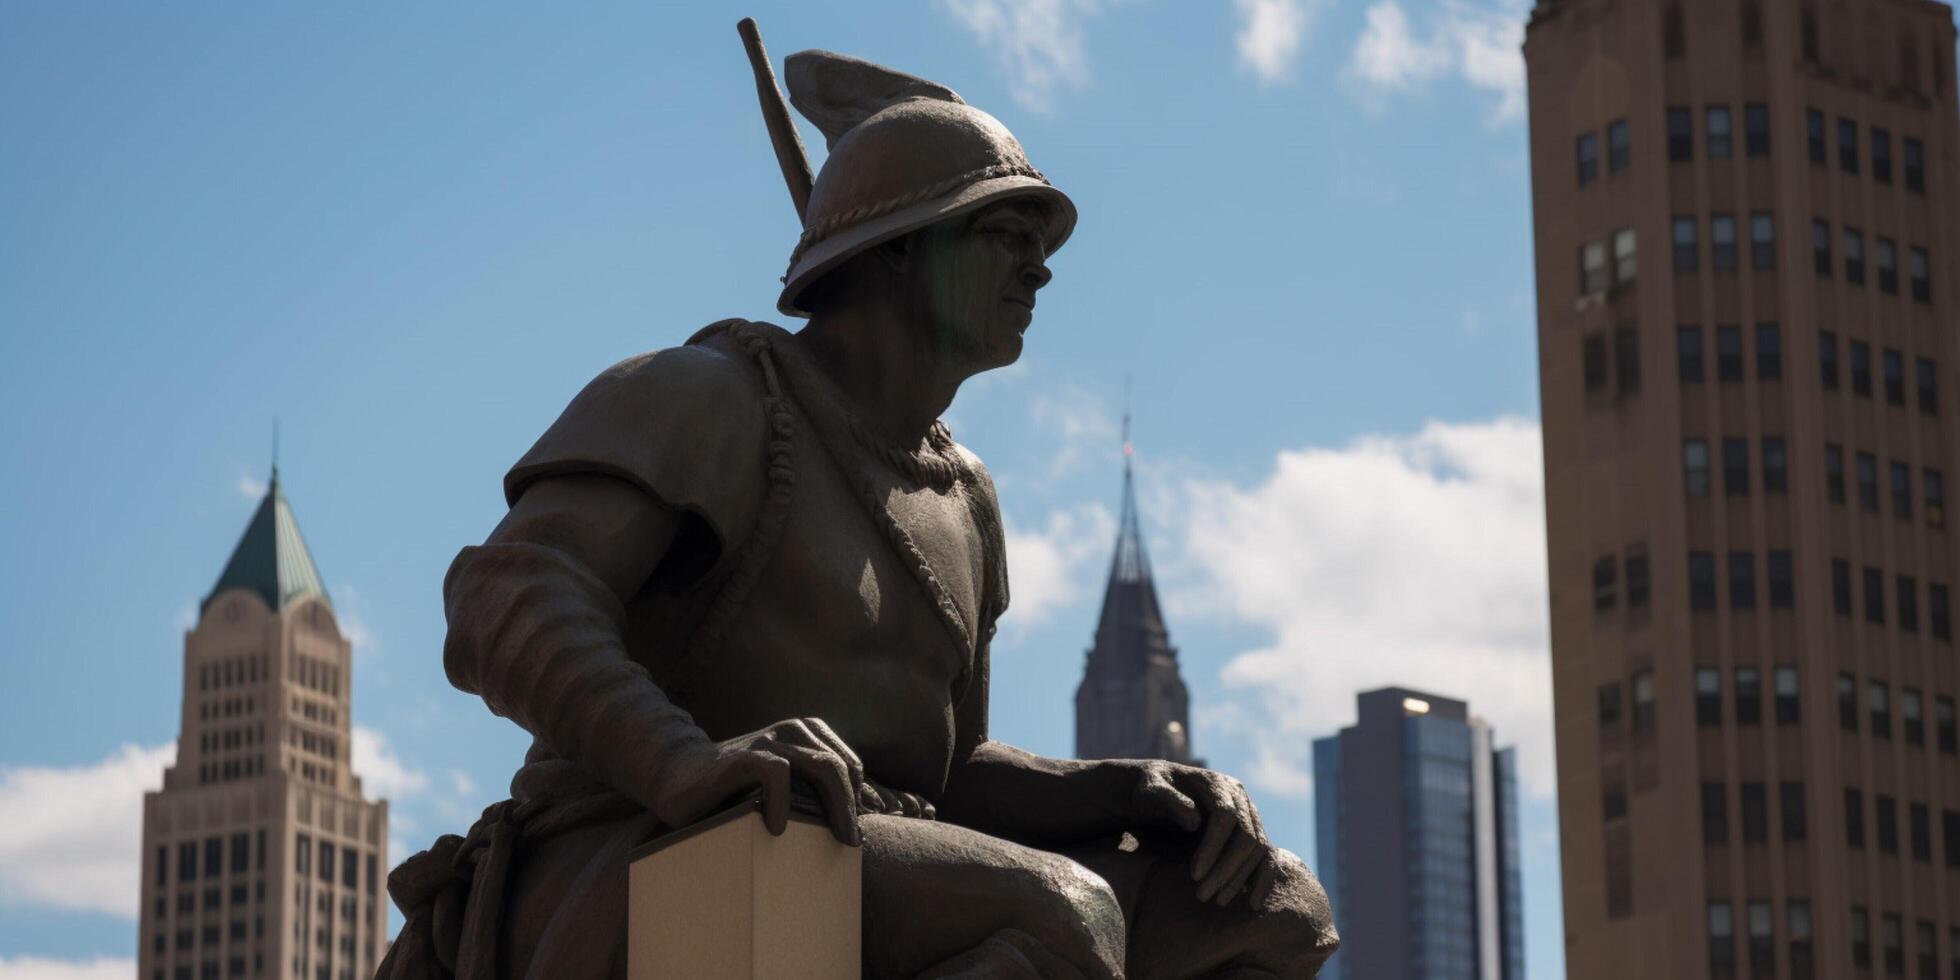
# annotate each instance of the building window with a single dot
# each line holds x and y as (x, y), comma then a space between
(1834, 472)
(1827, 359)
(1782, 590)
(1728, 353)
(1742, 580)
(1847, 699)
(1927, 376)
(1694, 462)
(1922, 276)
(1701, 580)
(1950, 841)
(1854, 256)
(1861, 937)
(1762, 240)
(1928, 951)
(1867, 482)
(1755, 124)
(1680, 134)
(1735, 467)
(1901, 491)
(1592, 352)
(1789, 705)
(1592, 267)
(1609, 705)
(1604, 585)
(1935, 491)
(1915, 165)
(1881, 155)
(1674, 34)
(1748, 696)
(1936, 611)
(1752, 24)
(1638, 585)
(1769, 352)
(1588, 149)
(1893, 932)
(1820, 247)
(1847, 146)
(1878, 702)
(1874, 596)
(1814, 135)
(1762, 942)
(1687, 247)
(1944, 729)
(1796, 919)
(1626, 359)
(1854, 819)
(1776, 478)
(1861, 369)
(1721, 941)
(1624, 256)
(1717, 117)
(1613, 801)
(1721, 241)
(1912, 716)
(1687, 352)
(1888, 266)
(1708, 697)
(1755, 813)
(1885, 810)
(1841, 586)
(1714, 814)
(1642, 683)
(1908, 589)
(1619, 151)
(303, 856)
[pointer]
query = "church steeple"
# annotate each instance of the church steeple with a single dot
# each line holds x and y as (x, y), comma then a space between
(1132, 703)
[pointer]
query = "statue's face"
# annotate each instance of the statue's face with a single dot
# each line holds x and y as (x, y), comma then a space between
(974, 279)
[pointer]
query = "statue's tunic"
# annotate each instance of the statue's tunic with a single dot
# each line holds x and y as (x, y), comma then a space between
(810, 560)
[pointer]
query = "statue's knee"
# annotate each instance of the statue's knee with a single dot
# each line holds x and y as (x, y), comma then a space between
(1299, 906)
(1075, 915)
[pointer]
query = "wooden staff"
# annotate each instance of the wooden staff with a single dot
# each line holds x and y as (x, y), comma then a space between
(775, 114)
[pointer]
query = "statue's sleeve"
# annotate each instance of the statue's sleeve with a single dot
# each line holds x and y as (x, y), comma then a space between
(536, 634)
(685, 425)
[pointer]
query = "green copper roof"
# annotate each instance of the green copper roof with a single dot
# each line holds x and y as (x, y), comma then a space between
(271, 559)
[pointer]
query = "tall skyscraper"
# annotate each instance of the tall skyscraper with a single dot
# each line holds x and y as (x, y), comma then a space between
(261, 858)
(1745, 446)
(1416, 834)
(1132, 703)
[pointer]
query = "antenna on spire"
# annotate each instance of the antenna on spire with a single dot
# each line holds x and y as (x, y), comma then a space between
(275, 449)
(1128, 450)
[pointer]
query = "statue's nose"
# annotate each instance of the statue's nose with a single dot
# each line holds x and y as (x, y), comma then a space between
(1036, 275)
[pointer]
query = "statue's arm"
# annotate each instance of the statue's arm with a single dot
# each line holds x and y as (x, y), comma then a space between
(535, 624)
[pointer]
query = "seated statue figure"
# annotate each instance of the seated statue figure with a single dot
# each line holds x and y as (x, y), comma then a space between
(759, 559)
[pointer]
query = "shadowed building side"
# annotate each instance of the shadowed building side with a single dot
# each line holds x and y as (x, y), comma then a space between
(1132, 703)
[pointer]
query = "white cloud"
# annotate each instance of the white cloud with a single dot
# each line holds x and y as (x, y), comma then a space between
(1476, 43)
(1413, 560)
(69, 837)
(1270, 34)
(42, 968)
(383, 774)
(461, 781)
(1050, 567)
(250, 487)
(1080, 424)
(1039, 43)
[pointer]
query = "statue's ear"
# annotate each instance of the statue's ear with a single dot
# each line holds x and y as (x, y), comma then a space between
(837, 91)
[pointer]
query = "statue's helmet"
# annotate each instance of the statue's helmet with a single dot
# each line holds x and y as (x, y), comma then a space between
(904, 153)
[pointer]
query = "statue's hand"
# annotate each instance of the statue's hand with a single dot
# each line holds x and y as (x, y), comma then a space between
(1232, 853)
(873, 798)
(705, 776)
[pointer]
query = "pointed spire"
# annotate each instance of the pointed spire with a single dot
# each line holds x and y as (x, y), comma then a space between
(1130, 598)
(271, 558)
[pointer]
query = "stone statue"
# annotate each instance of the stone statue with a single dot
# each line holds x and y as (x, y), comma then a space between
(758, 560)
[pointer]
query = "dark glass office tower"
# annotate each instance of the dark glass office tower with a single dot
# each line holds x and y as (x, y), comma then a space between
(1417, 839)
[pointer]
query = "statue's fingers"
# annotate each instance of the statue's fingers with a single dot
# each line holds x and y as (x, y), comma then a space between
(1220, 824)
(826, 774)
(1238, 856)
(1243, 876)
(771, 772)
(830, 739)
(888, 799)
(1163, 797)
(868, 800)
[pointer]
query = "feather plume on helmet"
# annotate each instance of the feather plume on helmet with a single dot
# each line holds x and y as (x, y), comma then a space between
(904, 153)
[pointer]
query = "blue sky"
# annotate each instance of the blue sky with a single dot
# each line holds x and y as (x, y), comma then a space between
(411, 234)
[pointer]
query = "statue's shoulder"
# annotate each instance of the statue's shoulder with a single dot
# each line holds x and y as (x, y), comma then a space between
(686, 424)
